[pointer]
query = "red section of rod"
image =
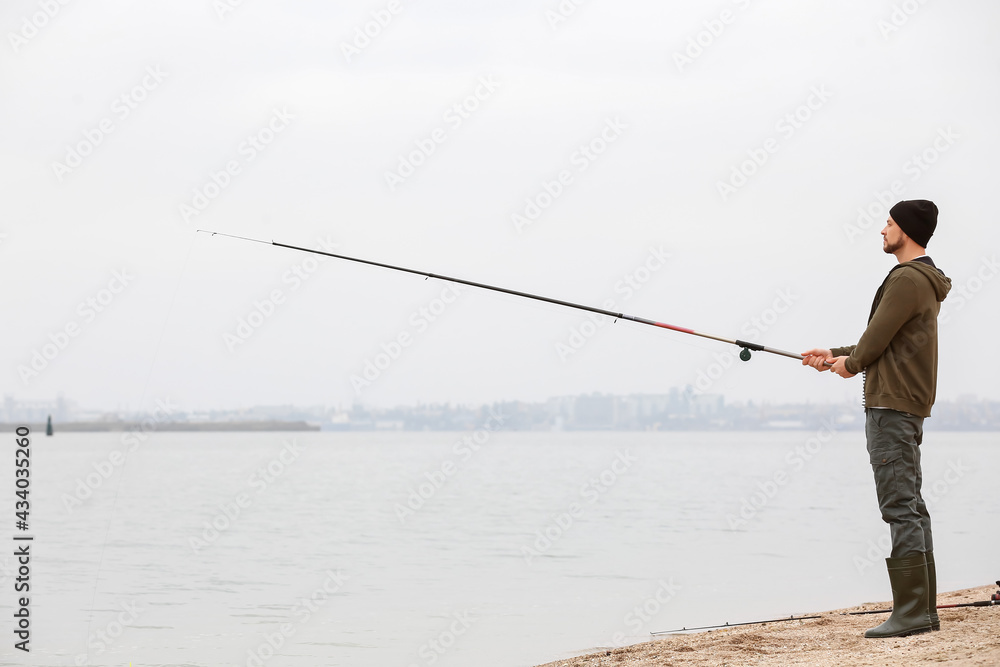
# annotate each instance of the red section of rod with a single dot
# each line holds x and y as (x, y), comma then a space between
(673, 328)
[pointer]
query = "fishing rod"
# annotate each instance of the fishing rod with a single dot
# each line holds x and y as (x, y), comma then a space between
(733, 625)
(994, 600)
(982, 603)
(744, 353)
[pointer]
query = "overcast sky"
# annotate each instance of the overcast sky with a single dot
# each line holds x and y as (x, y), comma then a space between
(701, 164)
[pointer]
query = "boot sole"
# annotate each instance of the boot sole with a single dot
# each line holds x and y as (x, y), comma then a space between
(905, 633)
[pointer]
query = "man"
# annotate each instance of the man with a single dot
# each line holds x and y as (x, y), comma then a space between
(898, 354)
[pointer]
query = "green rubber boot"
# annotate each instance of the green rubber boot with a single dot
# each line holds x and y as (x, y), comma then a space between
(908, 578)
(932, 591)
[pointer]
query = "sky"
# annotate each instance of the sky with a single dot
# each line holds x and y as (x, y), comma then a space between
(723, 166)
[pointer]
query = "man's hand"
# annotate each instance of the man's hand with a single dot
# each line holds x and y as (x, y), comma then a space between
(839, 367)
(817, 358)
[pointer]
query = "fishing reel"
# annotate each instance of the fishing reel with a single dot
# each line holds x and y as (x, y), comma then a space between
(745, 352)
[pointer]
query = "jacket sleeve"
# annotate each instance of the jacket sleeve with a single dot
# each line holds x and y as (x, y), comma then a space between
(898, 304)
(842, 351)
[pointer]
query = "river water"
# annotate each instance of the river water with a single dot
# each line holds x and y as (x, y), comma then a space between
(492, 549)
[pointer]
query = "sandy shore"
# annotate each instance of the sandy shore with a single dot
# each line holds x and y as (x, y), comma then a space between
(968, 636)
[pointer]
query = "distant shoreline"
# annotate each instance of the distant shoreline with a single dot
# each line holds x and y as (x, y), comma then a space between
(121, 426)
(302, 426)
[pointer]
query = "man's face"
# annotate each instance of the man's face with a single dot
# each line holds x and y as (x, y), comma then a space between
(892, 237)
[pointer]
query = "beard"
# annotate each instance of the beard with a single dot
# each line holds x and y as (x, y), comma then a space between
(891, 248)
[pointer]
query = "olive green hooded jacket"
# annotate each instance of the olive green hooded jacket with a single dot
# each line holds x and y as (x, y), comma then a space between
(899, 349)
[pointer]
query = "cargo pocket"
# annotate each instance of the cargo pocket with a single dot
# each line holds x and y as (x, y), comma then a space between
(885, 465)
(881, 457)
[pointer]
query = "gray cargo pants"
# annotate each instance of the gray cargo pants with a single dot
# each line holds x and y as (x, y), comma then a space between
(894, 449)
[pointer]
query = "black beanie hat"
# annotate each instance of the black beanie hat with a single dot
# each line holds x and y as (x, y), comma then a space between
(917, 218)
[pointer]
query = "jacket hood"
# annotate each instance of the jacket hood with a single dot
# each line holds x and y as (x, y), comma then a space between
(940, 282)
